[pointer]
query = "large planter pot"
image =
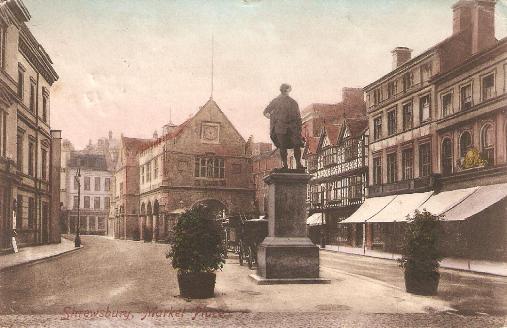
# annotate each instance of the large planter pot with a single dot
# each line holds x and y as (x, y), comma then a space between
(421, 283)
(196, 284)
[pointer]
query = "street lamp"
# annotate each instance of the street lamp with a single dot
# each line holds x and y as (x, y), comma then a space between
(324, 212)
(77, 240)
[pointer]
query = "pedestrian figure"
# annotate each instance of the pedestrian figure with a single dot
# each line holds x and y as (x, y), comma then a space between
(285, 125)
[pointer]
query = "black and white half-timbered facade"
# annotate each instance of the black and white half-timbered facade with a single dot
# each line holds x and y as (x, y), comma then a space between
(339, 183)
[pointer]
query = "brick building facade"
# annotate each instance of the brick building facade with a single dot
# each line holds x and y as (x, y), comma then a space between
(29, 149)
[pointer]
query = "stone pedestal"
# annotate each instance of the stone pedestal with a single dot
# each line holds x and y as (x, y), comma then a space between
(287, 255)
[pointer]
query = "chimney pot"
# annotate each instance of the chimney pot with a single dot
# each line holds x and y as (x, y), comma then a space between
(401, 55)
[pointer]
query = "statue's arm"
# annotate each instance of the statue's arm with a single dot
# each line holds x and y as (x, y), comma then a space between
(267, 112)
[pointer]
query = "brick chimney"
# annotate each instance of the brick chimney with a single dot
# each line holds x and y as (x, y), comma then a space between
(462, 15)
(353, 100)
(352, 95)
(483, 35)
(477, 16)
(401, 55)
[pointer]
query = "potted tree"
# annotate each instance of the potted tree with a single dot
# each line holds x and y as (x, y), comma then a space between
(421, 254)
(197, 250)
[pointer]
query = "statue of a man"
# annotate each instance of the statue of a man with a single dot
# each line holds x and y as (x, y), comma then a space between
(285, 125)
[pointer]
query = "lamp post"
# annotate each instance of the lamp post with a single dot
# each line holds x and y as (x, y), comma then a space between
(14, 224)
(77, 240)
(324, 207)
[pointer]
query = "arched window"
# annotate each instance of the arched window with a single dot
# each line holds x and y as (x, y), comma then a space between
(465, 142)
(488, 143)
(447, 156)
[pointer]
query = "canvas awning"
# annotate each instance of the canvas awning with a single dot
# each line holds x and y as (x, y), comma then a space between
(314, 219)
(482, 198)
(444, 201)
(178, 211)
(400, 207)
(370, 207)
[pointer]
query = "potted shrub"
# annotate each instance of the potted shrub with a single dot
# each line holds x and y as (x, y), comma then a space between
(421, 254)
(197, 250)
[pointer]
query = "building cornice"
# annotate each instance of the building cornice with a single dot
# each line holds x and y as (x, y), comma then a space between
(401, 69)
(37, 56)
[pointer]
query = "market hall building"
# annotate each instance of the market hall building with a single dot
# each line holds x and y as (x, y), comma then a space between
(204, 160)
(438, 141)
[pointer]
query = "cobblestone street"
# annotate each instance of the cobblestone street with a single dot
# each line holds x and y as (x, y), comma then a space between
(331, 319)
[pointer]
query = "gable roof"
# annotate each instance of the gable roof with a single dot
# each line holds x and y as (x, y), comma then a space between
(332, 131)
(180, 128)
(134, 144)
(311, 146)
(356, 126)
(329, 131)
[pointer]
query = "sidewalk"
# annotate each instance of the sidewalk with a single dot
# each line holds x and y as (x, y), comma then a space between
(495, 268)
(36, 253)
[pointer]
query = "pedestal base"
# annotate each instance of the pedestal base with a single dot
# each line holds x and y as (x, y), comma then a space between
(282, 260)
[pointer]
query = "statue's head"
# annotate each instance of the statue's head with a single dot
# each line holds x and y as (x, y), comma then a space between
(285, 88)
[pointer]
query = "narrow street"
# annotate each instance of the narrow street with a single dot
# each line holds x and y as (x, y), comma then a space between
(469, 293)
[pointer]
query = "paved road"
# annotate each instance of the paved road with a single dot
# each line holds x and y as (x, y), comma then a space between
(124, 274)
(469, 293)
(133, 277)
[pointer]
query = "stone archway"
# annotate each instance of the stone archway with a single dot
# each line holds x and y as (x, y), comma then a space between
(139, 232)
(156, 220)
(216, 207)
(148, 224)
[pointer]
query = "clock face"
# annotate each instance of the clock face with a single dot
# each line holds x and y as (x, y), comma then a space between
(210, 132)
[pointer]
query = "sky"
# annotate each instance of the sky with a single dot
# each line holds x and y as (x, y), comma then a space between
(131, 66)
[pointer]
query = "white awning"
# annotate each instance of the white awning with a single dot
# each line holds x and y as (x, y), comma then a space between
(444, 201)
(477, 202)
(401, 207)
(370, 207)
(314, 219)
(178, 211)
